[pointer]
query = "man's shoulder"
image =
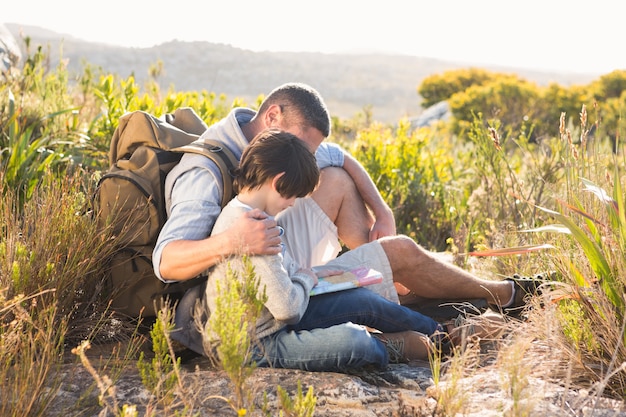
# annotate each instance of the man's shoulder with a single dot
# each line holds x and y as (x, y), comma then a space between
(194, 160)
(194, 173)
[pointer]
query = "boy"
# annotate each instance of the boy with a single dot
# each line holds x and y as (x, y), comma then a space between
(295, 331)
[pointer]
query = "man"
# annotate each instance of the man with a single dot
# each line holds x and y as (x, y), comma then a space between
(338, 209)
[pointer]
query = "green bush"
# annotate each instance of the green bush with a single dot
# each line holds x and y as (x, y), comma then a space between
(411, 170)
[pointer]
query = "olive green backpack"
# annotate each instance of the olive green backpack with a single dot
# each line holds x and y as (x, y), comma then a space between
(129, 199)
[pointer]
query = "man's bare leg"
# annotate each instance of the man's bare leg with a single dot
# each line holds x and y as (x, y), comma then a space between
(337, 196)
(426, 276)
(414, 268)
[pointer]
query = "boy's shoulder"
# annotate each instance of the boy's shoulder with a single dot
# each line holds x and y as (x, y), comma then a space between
(229, 215)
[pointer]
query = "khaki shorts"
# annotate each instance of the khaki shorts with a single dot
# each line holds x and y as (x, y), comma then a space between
(311, 238)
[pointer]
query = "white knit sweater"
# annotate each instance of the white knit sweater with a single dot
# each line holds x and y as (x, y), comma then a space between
(287, 290)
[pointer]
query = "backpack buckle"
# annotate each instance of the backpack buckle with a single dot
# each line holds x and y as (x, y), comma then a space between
(215, 149)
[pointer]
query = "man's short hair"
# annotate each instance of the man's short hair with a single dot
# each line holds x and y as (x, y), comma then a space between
(298, 99)
(274, 151)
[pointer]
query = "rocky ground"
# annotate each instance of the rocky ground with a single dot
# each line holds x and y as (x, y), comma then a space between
(401, 390)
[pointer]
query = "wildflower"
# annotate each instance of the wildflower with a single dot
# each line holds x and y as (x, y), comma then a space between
(583, 116)
(495, 137)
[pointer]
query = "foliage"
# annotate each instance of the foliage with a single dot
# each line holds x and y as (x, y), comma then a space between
(120, 96)
(451, 398)
(410, 169)
(53, 245)
(520, 105)
(593, 249)
(510, 101)
(300, 406)
(160, 375)
(507, 171)
(514, 378)
(609, 86)
(24, 157)
(231, 328)
(38, 130)
(554, 101)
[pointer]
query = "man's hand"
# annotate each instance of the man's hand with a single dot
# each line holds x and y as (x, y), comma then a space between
(257, 233)
(384, 225)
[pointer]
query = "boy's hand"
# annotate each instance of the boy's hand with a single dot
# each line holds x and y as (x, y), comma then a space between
(323, 273)
(310, 273)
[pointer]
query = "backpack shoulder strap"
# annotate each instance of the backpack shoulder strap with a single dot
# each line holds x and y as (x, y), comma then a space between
(223, 158)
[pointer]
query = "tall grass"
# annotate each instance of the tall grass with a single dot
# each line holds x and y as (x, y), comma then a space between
(50, 273)
(52, 245)
(591, 225)
(31, 348)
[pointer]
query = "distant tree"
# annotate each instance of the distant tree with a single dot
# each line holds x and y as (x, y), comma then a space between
(607, 106)
(439, 87)
(521, 107)
(608, 86)
(509, 100)
(556, 99)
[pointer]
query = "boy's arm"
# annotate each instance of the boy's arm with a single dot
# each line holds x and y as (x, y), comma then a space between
(287, 295)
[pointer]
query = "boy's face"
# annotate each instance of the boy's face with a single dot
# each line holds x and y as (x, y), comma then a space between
(277, 203)
(274, 201)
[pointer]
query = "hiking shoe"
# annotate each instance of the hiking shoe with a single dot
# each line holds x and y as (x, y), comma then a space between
(524, 287)
(453, 333)
(405, 346)
(443, 309)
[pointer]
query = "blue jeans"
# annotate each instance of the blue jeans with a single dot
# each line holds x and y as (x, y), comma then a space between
(326, 339)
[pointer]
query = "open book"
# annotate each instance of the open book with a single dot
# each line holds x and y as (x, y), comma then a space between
(354, 278)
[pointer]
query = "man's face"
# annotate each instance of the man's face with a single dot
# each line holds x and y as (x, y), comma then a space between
(311, 136)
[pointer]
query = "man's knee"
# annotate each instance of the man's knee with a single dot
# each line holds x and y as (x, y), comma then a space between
(335, 178)
(339, 198)
(399, 243)
(403, 251)
(336, 191)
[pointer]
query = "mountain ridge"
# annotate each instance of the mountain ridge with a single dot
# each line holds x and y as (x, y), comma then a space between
(385, 84)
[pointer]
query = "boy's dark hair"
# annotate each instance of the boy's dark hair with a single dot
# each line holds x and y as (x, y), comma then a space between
(274, 151)
(300, 103)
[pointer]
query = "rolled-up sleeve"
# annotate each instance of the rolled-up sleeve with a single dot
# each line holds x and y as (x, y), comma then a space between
(329, 155)
(195, 205)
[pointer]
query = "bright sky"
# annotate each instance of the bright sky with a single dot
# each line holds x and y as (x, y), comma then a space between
(551, 35)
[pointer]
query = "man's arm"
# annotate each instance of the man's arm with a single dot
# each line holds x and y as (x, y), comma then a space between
(185, 249)
(384, 221)
(185, 259)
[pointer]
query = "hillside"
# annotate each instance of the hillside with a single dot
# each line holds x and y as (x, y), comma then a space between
(386, 83)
